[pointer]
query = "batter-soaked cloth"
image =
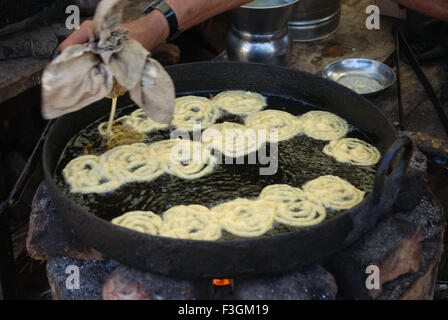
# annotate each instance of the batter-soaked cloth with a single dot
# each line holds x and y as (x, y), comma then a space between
(84, 73)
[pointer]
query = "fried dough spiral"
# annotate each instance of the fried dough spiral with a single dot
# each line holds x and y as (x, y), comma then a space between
(292, 206)
(232, 139)
(285, 123)
(281, 193)
(323, 125)
(138, 121)
(354, 151)
(133, 163)
(333, 192)
(194, 222)
(88, 174)
(142, 221)
(303, 213)
(138, 162)
(189, 110)
(185, 159)
(240, 102)
(246, 218)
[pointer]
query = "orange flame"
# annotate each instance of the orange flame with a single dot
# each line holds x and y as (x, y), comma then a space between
(222, 282)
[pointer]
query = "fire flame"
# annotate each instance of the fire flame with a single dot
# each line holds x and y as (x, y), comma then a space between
(222, 282)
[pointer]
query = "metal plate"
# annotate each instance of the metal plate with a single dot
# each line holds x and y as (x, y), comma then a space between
(364, 76)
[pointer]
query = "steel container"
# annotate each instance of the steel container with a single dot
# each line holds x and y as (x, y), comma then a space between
(259, 32)
(314, 20)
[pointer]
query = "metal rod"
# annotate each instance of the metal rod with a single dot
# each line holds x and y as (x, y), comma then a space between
(397, 62)
(25, 175)
(8, 269)
(424, 82)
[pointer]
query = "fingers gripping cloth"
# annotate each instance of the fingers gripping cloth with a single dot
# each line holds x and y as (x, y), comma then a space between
(106, 66)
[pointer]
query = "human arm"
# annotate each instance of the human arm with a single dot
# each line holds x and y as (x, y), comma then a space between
(152, 29)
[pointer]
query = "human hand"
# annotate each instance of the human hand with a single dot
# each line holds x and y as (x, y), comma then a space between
(79, 36)
(138, 30)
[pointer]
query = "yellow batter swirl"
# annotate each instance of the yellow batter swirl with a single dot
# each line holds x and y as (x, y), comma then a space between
(285, 123)
(89, 174)
(194, 222)
(322, 125)
(246, 218)
(191, 110)
(354, 151)
(102, 128)
(281, 193)
(303, 213)
(138, 162)
(139, 121)
(292, 206)
(141, 221)
(240, 102)
(333, 192)
(232, 139)
(133, 163)
(185, 159)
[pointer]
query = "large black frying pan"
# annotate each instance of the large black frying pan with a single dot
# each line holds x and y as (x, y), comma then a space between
(236, 258)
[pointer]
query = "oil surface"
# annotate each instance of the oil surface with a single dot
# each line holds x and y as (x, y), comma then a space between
(300, 159)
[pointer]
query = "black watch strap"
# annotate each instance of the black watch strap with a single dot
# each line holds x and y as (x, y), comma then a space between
(169, 14)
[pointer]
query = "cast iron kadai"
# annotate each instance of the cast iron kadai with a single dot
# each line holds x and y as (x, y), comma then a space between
(251, 257)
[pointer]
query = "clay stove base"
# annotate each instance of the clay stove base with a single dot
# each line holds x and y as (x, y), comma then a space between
(406, 245)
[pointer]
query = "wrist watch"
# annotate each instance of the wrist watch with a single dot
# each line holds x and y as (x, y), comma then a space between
(169, 14)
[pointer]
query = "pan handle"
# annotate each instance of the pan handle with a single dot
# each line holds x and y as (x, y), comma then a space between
(389, 173)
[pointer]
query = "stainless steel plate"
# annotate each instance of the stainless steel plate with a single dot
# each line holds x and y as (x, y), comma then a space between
(363, 76)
